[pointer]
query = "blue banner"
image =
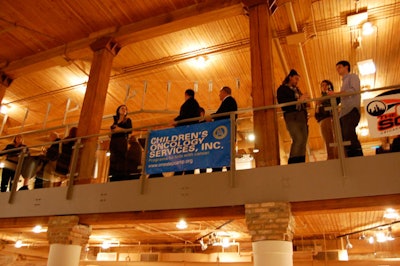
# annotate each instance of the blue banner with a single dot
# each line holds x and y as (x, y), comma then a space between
(197, 146)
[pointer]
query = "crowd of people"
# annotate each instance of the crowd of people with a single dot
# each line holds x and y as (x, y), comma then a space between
(296, 116)
(53, 166)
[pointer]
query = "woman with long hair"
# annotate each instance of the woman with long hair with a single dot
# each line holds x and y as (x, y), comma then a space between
(119, 144)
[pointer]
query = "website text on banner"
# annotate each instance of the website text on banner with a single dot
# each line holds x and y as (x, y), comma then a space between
(203, 145)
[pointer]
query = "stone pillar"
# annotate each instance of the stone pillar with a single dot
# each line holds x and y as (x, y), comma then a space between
(66, 238)
(271, 227)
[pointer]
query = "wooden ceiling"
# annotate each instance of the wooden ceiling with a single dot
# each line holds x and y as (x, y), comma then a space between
(44, 50)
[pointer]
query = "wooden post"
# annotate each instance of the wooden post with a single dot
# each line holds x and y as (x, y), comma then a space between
(105, 50)
(5, 82)
(265, 122)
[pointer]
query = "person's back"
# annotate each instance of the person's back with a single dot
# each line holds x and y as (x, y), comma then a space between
(395, 147)
(134, 156)
(228, 103)
(189, 109)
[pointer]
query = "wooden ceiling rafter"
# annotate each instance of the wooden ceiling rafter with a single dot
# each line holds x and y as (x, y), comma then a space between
(146, 29)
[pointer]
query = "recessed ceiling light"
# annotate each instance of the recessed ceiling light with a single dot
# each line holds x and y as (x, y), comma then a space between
(391, 214)
(182, 224)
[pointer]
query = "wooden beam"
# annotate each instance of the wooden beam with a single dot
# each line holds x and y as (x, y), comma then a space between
(146, 29)
(203, 214)
(347, 204)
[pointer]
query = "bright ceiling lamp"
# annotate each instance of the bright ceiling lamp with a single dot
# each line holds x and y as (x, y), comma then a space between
(366, 67)
(367, 28)
(391, 214)
(182, 224)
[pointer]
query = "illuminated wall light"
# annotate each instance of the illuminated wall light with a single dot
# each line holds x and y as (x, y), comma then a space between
(1, 165)
(366, 67)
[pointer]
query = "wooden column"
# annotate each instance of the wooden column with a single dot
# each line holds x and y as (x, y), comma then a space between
(265, 122)
(105, 50)
(5, 82)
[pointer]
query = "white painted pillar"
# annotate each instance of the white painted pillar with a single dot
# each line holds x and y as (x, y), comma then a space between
(273, 253)
(64, 255)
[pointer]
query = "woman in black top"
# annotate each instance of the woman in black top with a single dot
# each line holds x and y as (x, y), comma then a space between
(12, 159)
(119, 143)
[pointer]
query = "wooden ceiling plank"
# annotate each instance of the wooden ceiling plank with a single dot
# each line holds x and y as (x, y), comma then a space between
(145, 29)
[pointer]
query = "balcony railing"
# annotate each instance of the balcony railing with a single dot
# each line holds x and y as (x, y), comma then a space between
(30, 159)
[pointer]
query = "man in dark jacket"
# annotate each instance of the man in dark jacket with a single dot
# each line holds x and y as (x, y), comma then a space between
(228, 104)
(189, 109)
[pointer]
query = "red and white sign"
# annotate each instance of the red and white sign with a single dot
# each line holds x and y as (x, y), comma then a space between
(383, 115)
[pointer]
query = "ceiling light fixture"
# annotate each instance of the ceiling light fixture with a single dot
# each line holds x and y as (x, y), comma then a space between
(367, 28)
(251, 137)
(182, 224)
(38, 229)
(18, 244)
(3, 109)
(391, 214)
(366, 67)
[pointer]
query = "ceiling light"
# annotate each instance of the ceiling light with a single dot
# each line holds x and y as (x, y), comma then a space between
(3, 109)
(367, 28)
(18, 244)
(251, 137)
(371, 240)
(380, 237)
(182, 224)
(391, 214)
(366, 67)
(108, 244)
(38, 229)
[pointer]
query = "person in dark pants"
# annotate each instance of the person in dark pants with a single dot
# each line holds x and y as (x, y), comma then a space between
(350, 109)
(295, 116)
(48, 161)
(64, 160)
(189, 109)
(119, 144)
(228, 104)
(12, 159)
